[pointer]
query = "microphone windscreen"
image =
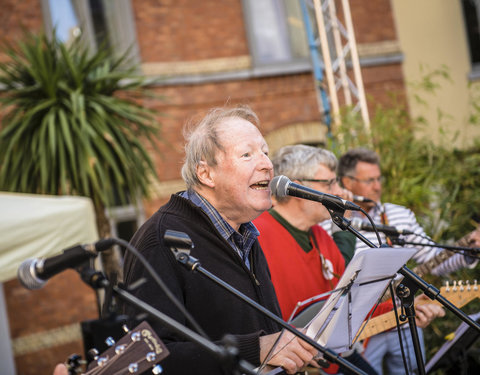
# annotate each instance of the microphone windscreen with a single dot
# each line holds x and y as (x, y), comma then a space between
(278, 186)
(26, 275)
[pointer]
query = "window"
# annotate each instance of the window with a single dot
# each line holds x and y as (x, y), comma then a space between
(276, 31)
(471, 12)
(125, 220)
(100, 22)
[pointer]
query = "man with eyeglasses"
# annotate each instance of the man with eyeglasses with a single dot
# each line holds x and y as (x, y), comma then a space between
(359, 171)
(303, 259)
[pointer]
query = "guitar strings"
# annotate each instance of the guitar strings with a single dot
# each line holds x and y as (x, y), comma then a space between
(99, 369)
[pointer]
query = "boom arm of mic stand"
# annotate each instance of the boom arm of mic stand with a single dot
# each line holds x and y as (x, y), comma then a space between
(400, 241)
(346, 224)
(227, 354)
(193, 264)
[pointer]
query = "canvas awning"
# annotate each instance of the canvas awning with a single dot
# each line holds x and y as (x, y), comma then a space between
(34, 226)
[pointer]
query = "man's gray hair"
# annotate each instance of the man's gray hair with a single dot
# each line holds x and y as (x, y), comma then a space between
(347, 163)
(203, 139)
(299, 162)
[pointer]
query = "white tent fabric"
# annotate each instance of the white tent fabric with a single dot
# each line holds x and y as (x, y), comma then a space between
(33, 226)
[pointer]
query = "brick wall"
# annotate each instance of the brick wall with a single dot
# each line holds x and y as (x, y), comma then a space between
(187, 30)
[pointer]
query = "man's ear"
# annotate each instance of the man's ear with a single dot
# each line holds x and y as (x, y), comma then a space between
(205, 174)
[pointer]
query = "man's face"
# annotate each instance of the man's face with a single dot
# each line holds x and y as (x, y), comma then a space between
(366, 181)
(241, 178)
(327, 183)
(474, 238)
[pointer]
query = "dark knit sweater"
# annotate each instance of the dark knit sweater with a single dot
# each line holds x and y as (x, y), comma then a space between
(217, 311)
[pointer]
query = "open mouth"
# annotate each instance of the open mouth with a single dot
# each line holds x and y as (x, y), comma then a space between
(261, 185)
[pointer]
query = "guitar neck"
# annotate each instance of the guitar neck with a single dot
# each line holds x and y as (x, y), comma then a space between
(458, 294)
(438, 259)
(428, 266)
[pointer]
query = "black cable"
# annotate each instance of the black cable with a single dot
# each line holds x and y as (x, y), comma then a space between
(161, 284)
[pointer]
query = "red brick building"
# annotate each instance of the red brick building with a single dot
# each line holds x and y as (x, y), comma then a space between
(209, 53)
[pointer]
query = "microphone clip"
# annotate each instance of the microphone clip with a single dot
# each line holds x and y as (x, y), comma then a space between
(181, 244)
(339, 219)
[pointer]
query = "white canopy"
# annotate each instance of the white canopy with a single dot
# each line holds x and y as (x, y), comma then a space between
(33, 226)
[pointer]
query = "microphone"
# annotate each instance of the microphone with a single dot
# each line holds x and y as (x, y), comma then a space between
(360, 224)
(33, 273)
(359, 198)
(282, 186)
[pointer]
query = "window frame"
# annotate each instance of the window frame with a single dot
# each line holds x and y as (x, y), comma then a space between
(267, 68)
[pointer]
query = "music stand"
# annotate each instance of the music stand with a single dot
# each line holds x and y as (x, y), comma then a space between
(454, 350)
(359, 289)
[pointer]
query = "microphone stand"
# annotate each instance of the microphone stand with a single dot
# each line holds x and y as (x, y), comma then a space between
(400, 241)
(193, 264)
(227, 354)
(406, 292)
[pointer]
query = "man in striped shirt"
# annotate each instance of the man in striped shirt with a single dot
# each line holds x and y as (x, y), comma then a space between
(359, 171)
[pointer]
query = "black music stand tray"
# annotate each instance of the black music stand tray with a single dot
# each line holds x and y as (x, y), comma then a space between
(454, 351)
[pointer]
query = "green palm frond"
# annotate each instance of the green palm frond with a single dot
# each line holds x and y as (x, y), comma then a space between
(73, 122)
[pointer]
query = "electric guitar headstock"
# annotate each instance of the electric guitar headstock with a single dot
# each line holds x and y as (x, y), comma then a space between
(458, 293)
(139, 350)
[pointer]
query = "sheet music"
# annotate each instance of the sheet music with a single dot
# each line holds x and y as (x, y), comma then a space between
(360, 287)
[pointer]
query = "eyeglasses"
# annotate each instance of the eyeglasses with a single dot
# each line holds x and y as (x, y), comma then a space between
(369, 181)
(327, 183)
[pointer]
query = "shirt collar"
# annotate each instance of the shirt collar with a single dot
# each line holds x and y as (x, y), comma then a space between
(247, 229)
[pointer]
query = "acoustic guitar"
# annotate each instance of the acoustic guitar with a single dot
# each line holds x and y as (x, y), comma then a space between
(139, 350)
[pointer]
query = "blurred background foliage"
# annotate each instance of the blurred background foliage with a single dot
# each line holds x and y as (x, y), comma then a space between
(74, 123)
(438, 182)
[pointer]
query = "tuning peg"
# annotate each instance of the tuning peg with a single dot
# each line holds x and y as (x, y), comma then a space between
(119, 349)
(74, 362)
(93, 354)
(136, 336)
(102, 361)
(157, 369)
(151, 356)
(125, 328)
(132, 368)
(110, 341)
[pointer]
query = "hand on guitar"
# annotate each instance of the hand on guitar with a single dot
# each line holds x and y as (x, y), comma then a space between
(426, 312)
(290, 352)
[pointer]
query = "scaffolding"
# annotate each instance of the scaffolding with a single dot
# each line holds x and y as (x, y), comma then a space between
(333, 51)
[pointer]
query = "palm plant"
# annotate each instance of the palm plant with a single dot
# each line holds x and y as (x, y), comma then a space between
(73, 124)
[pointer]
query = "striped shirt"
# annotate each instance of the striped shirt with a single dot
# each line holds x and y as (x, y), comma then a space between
(403, 218)
(241, 241)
